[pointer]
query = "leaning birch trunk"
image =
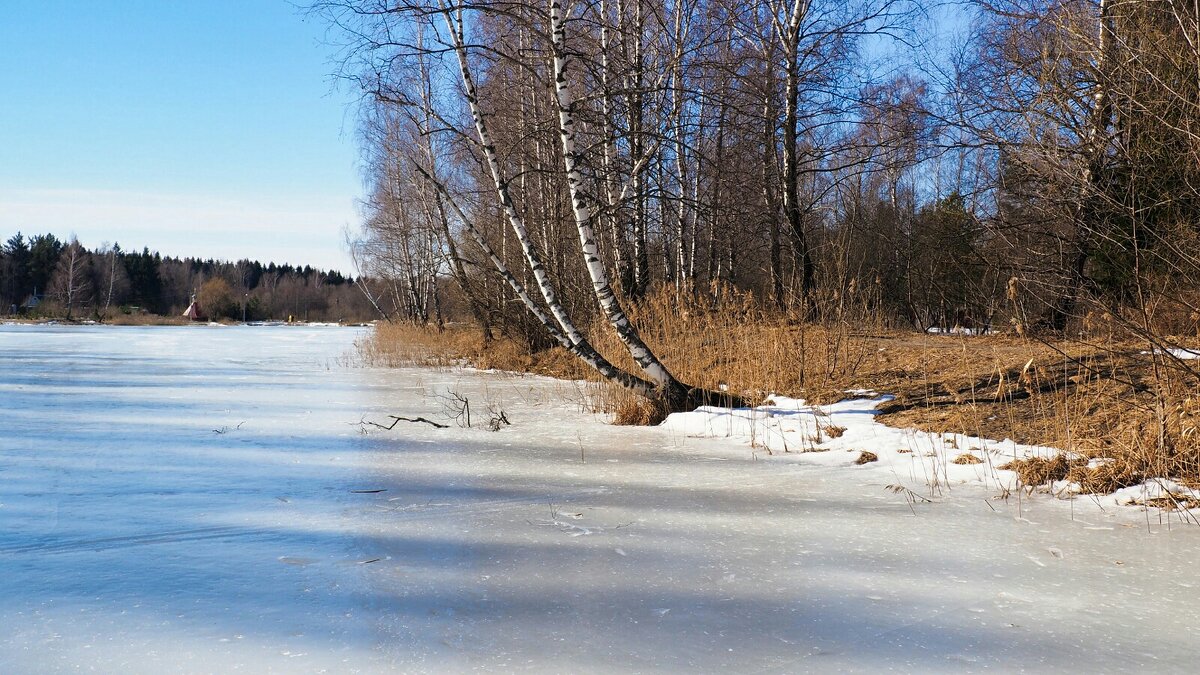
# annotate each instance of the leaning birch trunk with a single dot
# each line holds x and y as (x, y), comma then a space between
(571, 338)
(675, 394)
(532, 257)
(584, 350)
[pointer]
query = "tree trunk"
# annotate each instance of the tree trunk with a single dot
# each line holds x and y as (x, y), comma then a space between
(675, 394)
(569, 336)
(1086, 212)
(791, 172)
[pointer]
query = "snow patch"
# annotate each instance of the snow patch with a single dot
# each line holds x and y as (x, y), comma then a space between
(1179, 353)
(789, 430)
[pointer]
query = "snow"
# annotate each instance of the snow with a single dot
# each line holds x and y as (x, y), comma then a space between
(958, 330)
(788, 430)
(1179, 353)
(199, 500)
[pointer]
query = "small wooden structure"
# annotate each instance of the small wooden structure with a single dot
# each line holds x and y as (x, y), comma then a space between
(193, 311)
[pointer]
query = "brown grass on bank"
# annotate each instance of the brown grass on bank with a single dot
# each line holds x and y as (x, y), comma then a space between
(115, 319)
(394, 345)
(121, 319)
(722, 338)
(1102, 402)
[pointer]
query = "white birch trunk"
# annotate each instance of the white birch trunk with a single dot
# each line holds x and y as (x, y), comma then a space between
(574, 339)
(584, 350)
(501, 184)
(583, 212)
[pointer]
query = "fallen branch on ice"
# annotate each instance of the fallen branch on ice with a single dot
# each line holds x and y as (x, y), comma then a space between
(397, 419)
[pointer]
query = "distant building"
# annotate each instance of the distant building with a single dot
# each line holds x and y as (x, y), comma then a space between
(193, 311)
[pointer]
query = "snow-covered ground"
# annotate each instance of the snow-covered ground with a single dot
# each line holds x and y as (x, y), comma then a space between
(1180, 353)
(203, 499)
(920, 465)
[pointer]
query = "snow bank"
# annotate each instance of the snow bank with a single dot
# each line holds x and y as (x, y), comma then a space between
(846, 434)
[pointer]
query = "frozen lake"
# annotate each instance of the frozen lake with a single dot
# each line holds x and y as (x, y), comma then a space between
(201, 499)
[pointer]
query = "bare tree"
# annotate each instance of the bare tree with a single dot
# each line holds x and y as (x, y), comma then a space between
(112, 280)
(71, 284)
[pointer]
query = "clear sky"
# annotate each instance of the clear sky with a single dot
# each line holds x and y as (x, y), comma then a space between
(208, 128)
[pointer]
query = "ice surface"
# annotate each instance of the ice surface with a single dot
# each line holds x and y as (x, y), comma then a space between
(204, 500)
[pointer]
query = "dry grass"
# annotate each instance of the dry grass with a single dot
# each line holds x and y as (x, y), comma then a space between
(637, 411)
(115, 319)
(721, 338)
(397, 344)
(833, 431)
(1040, 470)
(121, 319)
(866, 457)
(967, 458)
(1171, 502)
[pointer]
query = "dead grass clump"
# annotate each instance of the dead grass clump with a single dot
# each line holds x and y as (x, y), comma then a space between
(632, 410)
(967, 458)
(1171, 501)
(499, 355)
(1040, 470)
(833, 431)
(866, 457)
(1105, 476)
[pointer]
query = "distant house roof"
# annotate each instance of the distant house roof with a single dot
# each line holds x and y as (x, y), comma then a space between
(32, 301)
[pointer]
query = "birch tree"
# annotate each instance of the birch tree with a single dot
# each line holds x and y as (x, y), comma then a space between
(71, 284)
(390, 31)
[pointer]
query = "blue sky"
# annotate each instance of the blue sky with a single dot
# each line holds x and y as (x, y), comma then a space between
(208, 128)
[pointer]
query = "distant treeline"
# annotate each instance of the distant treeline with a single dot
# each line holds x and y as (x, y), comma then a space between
(45, 276)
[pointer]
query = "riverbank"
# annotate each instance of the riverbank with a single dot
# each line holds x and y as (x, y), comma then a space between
(1106, 417)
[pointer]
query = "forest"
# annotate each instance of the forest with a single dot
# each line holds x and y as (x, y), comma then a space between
(558, 163)
(43, 276)
(698, 200)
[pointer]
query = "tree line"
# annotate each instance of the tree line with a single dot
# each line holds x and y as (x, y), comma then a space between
(553, 162)
(45, 276)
